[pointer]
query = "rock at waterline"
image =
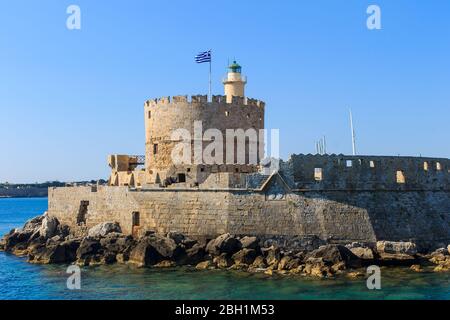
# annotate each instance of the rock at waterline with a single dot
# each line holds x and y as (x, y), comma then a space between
(390, 250)
(154, 249)
(208, 264)
(272, 255)
(249, 243)
(223, 261)
(245, 256)
(363, 253)
(224, 243)
(333, 254)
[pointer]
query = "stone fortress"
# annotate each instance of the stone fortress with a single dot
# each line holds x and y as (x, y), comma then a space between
(336, 198)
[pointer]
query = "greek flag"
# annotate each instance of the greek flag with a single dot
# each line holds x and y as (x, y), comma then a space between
(203, 57)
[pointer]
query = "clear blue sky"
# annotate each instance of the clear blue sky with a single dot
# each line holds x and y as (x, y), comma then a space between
(70, 98)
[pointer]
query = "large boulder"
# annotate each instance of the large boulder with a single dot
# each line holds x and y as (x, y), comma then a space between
(223, 261)
(439, 256)
(166, 247)
(259, 263)
(225, 243)
(440, 251)
(195, 254)
(245, 256)
(272, 255)
(63, 230)
(364, 253)
(89, 251)
(441, 259)
(153, 249)
(189, 243)
(176, 236)
(121, 246)
(249, 243)
(336, 254)
(16, 240)
(48, 254)
(48, 227)
(390, 250)
(104, 228)
(289, 263)
(116, 247)
(318, 267)
(54, 251)
(204, 265)
(34, 224)
(70, 247)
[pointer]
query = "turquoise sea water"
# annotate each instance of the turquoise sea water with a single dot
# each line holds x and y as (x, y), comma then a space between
(21, 280)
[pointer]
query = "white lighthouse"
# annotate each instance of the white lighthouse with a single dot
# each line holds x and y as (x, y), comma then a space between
(234, 82)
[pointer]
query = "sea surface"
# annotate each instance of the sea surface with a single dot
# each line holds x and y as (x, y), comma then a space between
(21, 280)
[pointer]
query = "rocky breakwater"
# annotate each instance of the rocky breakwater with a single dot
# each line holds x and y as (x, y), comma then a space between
(44, 240)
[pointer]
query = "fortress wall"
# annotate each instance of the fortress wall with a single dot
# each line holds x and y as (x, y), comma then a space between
(337, 216)
(368, 172)
(193, 213)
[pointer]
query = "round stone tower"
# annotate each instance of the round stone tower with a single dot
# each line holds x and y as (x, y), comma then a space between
(234, 82)
(207, 125)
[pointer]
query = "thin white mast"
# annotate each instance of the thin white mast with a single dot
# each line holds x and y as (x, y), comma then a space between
(353, 134)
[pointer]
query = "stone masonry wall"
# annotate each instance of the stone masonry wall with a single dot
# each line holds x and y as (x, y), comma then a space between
(358, 173)
(337, 216)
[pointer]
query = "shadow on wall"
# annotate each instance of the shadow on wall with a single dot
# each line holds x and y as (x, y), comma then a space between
(422, 217)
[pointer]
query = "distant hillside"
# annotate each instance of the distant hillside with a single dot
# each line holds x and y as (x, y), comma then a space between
(9, 190)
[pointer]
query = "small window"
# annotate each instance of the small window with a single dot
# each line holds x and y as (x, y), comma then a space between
(318, 174)
(188, 170)
(438, 166)
(425, 166)
(372, 164)
(202, 169)
(227, 113)
(349, 163)
(181, 177)
(236, 169)
(155, 148)
(400, 177)
(136, 219)
(149, 114)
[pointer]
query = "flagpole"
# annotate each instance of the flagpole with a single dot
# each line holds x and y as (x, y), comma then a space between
(209, 91)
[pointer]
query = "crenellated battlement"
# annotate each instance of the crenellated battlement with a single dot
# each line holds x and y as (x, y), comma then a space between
(203, 100)
(166, 115)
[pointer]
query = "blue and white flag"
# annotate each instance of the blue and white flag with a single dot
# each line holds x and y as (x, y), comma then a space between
(203, 57)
